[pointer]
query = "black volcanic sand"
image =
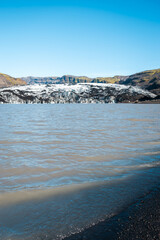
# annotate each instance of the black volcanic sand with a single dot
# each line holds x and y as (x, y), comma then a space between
(154, 101)
(140, 220)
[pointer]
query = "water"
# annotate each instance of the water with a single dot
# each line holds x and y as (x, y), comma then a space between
(66, 167)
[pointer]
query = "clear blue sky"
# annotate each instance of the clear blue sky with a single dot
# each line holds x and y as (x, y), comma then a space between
(79, 37)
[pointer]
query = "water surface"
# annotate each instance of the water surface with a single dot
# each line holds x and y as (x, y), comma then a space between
(65, 167)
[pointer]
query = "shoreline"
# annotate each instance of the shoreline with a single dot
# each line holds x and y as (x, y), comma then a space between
(153, 101)
(140, 220)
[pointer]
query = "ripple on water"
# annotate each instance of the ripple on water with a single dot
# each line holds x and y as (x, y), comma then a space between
(63, 161)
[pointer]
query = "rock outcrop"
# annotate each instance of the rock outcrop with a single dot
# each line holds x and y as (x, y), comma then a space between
(79, 93)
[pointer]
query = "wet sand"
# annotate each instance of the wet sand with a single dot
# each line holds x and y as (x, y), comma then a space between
(140, 220)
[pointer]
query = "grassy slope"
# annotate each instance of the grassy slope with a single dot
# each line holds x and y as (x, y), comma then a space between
(113, 80)
(149, 80)
(8, 81)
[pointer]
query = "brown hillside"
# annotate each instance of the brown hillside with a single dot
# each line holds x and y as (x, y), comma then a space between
(8, 81)
(149, 80)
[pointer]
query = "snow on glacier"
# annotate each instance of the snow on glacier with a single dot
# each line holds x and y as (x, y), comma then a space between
(63, 93)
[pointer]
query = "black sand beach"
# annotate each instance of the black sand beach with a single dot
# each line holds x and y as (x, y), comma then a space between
(141, 221)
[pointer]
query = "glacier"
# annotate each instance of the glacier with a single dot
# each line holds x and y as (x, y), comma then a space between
(78, 93)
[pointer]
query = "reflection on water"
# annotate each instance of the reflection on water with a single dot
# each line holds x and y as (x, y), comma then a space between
(60, 161)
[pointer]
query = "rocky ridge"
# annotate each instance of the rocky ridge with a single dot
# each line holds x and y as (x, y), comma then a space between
(70, 79)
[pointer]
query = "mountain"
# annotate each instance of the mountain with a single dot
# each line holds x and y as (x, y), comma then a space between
(78, 93)
(149, 80)
(72, 79)
(8, 81)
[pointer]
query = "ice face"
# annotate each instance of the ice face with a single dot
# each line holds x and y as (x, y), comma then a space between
(79, 93)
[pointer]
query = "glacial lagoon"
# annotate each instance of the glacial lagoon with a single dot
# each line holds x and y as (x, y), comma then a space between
(66, 167)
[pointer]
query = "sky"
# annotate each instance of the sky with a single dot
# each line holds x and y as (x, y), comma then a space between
(79, 37)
